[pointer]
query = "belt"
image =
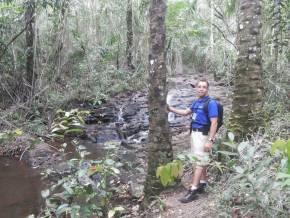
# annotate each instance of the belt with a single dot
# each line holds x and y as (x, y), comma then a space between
(197, 129)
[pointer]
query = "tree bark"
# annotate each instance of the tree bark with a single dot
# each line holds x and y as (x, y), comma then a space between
(248, 88)
(160, 149)
(60, 37)
(276, 33)
(30, 23)
(288, 59)
(129, 48)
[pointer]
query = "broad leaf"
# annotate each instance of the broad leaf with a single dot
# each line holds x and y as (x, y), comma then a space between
(228, 153)
(230, 144)
(45, 193)
(74, 132)
(231, 136)
(61, 209)
(111, 213)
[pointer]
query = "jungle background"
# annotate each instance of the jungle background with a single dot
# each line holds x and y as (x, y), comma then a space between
(66, 64)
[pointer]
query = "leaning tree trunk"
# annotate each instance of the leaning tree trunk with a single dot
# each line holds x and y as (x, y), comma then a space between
(30, 23)
(160, 149)
(248, 88)
(129, 48)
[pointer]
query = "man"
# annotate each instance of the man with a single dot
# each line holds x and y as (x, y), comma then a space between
(204, 127)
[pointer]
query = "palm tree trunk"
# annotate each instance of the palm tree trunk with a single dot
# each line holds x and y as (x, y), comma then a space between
(248, 88)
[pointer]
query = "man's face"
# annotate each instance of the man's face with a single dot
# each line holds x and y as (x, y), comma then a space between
(202, 89)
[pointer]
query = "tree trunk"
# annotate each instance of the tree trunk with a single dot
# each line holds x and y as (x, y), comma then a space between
(276, 33)
(288, 59)
(160, 149)
(60, 37)
(248, 88)
(129, 18)
(30, 22)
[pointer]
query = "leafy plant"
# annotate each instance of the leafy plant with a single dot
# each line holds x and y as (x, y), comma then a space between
(84, 191)
(254, 189)
(284, 147)
(9, 135)
(68, 123)
(169, 172)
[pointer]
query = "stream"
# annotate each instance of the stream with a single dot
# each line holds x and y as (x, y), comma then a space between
(20, 188)
(124, 119)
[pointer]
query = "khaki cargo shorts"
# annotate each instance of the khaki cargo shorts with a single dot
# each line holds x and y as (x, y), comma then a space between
(197, 142)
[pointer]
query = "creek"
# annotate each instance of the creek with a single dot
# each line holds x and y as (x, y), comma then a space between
(20, 188)
(123, 119)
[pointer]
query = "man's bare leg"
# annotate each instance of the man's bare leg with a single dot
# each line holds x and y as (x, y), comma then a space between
(197, 176)
(203, 175)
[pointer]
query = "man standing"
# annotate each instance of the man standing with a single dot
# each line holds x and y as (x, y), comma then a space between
(203, 130)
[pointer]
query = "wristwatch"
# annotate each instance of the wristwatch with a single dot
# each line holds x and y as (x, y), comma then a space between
(211, 140)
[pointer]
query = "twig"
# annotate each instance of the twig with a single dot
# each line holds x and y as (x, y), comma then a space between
(15, 37)
(224, 36)
(23, 153)
(7, 123)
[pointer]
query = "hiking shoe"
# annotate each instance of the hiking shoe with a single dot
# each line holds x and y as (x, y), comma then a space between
(190, 196)
(201, 188)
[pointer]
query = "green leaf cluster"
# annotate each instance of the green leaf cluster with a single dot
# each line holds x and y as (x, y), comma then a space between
(169, 172)
(9, 135)
(284, 147)
(68, 123)
(84, 191)
(257, 182)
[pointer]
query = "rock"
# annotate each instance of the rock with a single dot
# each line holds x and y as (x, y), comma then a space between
(136, 189)
(41, 156)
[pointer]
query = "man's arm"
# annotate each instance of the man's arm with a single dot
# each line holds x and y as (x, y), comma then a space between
(182, 112)
(211, 134)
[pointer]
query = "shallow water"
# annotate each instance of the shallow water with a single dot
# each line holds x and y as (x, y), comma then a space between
(20, 188)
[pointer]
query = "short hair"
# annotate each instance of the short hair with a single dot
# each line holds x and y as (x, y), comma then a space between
(203, 80)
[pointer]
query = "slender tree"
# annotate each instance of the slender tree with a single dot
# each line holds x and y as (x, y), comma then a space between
(276, 32)
(30, 26)
(288, 58)
(60, 36)
(129, 48)
(248, 88)
(160, 149)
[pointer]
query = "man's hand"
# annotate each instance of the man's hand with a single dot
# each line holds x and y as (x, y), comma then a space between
(168, 108)
(208, 146)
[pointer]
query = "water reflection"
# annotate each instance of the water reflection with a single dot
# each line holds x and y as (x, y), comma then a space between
(20, 188)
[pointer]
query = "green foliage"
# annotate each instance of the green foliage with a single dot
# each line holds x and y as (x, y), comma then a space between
(169, 172)
(84, 191)
(9, 135)
(255, 188)
(174, 13)
(68, 123)
(231, 7)
(113, 211)
(284, 147)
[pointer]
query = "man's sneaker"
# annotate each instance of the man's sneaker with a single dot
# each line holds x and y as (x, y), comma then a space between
(190, 196)
(201, 188)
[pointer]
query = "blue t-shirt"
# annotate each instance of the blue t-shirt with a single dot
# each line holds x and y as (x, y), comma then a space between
(199, 117)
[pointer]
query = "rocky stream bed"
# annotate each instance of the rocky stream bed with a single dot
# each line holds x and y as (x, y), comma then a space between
(124, 120)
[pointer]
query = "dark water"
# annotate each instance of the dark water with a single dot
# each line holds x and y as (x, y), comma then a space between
(20, 188)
